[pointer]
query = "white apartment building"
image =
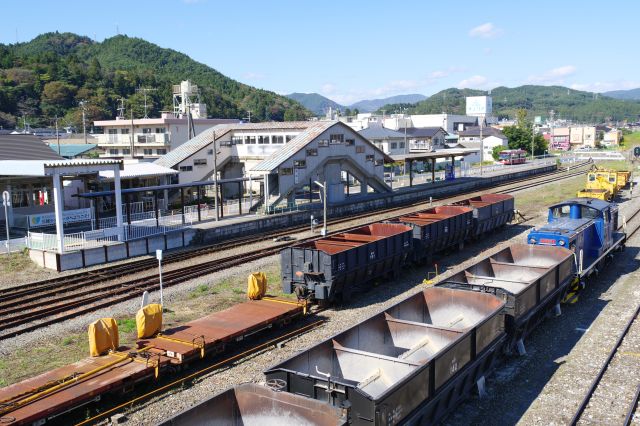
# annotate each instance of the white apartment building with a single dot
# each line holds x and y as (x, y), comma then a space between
(149, 137)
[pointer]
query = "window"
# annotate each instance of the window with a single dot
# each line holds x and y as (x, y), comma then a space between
(263, 139)
(209, 152)
(277, 139)
(350, 142)
(286, 171)
(186, 168)
(161, 130)
(114, 152)
(112, 131)
(379, 162)
(289, 137)
(394, 145)
(161, 151)
(336, 139)
(147, 151)
(250, 140)
(323, 142)
(401, 145)
(200, 162)
(299, 164)
(312, 152)
(126, 151)
(146, 130)
(124, 131)
(369, 157)
(235, 140)
(360, 149)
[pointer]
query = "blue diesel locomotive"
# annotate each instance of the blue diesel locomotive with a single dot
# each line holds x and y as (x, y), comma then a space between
(586, 226)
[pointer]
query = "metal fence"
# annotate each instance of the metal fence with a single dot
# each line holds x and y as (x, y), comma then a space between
(13, 245)
(109, 235)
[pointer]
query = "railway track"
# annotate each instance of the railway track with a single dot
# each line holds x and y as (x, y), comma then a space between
(615, 350)
(32, 306)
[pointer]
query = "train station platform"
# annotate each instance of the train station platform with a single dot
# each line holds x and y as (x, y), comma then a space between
(239, 226)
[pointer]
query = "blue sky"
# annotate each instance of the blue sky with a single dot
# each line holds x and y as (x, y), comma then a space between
(353, 50)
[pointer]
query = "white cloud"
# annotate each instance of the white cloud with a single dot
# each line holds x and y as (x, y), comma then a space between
(486, 30)
(553, 76)
(474, 82)
(605, 86)
(328, 89)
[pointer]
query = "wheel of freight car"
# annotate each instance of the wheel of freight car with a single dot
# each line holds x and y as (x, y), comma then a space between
(276, 385)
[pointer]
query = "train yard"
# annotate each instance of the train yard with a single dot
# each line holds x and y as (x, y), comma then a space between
(262, 354)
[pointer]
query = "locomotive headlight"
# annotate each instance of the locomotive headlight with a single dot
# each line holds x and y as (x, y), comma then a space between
(532, 240)
(561, 242)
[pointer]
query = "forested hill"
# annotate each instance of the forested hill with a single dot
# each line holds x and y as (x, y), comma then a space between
(539, 100)
(49, 75)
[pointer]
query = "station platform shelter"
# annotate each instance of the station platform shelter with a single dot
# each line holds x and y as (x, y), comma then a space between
(431, 158)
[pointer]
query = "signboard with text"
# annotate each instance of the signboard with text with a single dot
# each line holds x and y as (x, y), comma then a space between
(479, 105)
(69, 216)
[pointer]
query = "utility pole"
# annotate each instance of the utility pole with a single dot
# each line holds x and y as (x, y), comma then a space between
(121, 108)
(323, 185)
(215, 175)
(248, 118)
(533, 138)
(57, 136)
(83, 104)
(481, 145)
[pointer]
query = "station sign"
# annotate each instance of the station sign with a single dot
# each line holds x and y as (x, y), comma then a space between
(69, 216)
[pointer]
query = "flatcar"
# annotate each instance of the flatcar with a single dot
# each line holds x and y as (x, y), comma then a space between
(333, 268)
(586, 226)
(512, 156)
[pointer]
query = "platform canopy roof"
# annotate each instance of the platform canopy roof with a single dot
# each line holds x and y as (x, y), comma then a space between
(444, 153)
(139, 170)
(51, 167)
(25, 147)
(72, 150)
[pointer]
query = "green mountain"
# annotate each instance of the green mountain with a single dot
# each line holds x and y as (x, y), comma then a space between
(315, 102)
(47, 77)
(538, 100)
(370, 105)
(633, 94)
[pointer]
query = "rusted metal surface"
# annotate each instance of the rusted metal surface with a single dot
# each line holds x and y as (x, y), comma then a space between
(251, 404)
(124, 372)
(391, 363)
(209, 334)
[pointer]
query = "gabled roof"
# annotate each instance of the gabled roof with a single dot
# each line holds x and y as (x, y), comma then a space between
(25, 147)
(376, 131)
(72, 150)
(300, 142)
(486, 132)
(424, 132)
(200, 141)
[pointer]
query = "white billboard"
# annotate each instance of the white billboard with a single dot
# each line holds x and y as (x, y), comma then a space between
(479, 105)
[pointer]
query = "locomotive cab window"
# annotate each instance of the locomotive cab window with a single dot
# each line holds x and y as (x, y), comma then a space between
(562, 211)
(590, 213)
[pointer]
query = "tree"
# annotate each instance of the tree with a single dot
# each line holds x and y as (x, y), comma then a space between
(347, 112)
(495, 153)
(520, 138)
(57, 96)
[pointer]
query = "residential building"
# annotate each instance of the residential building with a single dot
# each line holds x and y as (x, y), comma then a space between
(149, 137)
(560, 138)
(491, 138)
(389, 141)
(612, 137)
(426, 139)
(582, 137)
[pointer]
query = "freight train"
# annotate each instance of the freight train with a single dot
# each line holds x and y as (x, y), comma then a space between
(410, 364)
(333, 268)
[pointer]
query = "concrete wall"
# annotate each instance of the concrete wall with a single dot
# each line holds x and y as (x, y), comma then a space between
(373, 202)
(111, 253)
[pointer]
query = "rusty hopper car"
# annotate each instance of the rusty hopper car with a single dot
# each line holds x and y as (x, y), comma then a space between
(332, 268)
(437, 228)
(531, 279)
(251, 404)
(415, 360)
(490, 211)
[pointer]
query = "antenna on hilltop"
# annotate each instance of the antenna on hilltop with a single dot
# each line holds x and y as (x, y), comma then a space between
(144, 91)
(121, 108)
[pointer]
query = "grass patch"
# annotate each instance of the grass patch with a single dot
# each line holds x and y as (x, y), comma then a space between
(539, 200)
(199, 291)
(15, 262)
(126, 325)
(67, 341)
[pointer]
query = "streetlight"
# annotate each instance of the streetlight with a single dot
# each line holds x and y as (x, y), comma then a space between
(159, 257)
(323, 232)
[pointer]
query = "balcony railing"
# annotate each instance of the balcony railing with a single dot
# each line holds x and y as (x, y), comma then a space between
(417, 146)
(138, 138)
